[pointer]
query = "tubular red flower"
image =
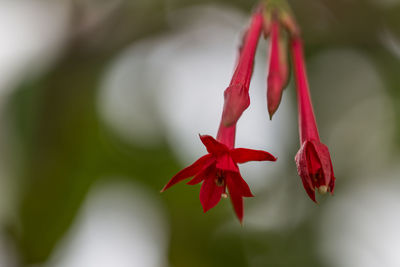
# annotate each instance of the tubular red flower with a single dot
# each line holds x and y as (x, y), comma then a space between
(236, 95)
(278, 71)
(313, 160)
(218, 170)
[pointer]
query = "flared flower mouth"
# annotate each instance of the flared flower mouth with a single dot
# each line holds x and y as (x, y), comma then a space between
(219, 173)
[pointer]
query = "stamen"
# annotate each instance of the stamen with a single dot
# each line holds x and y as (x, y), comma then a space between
(220, 181)
(322, 189)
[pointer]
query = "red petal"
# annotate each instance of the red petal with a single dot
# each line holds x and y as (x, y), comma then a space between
(332, 184)
(310, 190)
(303, 171)
(237, 201)
(238, 189)
(212, 145)
(210, 193)
(236, 183)
(189, 171)
(242, 155)
(324, 158)
(207, 171)
(225, 162)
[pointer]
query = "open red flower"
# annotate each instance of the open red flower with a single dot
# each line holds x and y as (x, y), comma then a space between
(313, 159)
(218, 170)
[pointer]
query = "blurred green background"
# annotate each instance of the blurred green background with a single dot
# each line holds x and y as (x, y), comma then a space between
(101, 103)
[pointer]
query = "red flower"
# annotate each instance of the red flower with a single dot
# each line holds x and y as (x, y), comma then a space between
(236, 95)
(218, 170)
(278, 70)
(313, 159)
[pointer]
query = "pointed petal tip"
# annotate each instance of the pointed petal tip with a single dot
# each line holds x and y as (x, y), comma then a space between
(193, 182)
(243, 155)
(331, 191)
(164, 188)
(312, 197)
(250, 195)
(207, 208)
(212, 145)
(204, 136)
(271, 111)
(240, 219)
(189, 171)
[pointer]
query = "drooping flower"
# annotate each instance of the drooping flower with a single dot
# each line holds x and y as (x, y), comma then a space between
(278, 69)
(236, 95)
(218, 170)
(313, 160)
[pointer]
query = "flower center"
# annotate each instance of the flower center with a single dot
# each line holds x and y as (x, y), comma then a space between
(220, 181)
(317, 176)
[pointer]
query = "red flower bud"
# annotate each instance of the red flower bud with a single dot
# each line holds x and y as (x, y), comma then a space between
(313, 159)
(278, 69)
(237, 94)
